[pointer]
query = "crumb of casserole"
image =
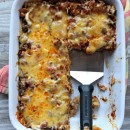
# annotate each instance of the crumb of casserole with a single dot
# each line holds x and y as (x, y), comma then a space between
(95, 102)
(113, 80)
(102, 87)
(95, 116)
(96, 128)
(105, 99)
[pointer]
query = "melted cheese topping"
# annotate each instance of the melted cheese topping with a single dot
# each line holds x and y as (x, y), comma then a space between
(50, 100)
(44, 65)
(59, 28)
(88, 29)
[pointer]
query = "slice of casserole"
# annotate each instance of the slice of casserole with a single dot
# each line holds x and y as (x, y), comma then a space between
(49, 30)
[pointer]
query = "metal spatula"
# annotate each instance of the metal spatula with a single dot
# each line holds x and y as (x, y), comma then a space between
(86, 69)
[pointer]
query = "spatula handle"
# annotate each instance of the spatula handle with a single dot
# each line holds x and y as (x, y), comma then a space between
(86, 106)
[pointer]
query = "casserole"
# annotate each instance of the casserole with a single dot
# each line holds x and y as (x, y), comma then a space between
(108, 72)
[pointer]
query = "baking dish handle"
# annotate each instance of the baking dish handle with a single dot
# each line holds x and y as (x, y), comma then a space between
(85, 106)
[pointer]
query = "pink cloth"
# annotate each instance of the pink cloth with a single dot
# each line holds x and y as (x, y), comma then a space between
(3, 79)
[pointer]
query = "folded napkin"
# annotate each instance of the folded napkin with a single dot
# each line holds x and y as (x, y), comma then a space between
(126, 6)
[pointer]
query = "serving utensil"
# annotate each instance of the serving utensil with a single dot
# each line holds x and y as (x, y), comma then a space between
(86, 69)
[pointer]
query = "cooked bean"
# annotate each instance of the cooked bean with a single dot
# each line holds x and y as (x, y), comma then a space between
(22, 15)
(52, 10)
(84, 44)
(57, 44)
(64, 6)
(104, 30)
(74, 9)
(107, 38)
(72, 20)
(91, 4)
(23, 10)
(21, 53)
(38, 46)
(25, 28)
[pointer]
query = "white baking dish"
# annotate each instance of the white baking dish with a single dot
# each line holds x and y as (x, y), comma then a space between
(116, 68)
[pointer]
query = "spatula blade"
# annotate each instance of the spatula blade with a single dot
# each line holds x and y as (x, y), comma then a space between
(86, 78)
(86, 68)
